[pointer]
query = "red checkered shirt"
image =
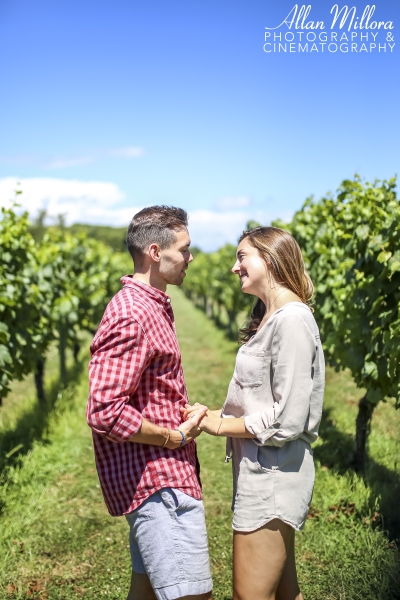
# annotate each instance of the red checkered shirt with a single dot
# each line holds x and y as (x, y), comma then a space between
(136, 371)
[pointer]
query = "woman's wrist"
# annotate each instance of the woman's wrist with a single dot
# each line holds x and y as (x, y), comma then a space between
(219, 428)
(235, 428)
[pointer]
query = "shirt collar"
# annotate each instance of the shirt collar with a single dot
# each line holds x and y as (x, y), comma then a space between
(157, 295)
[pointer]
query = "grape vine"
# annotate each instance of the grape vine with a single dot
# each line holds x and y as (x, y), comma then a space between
(49, 292)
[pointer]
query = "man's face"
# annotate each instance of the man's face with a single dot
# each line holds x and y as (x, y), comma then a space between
(175, 259)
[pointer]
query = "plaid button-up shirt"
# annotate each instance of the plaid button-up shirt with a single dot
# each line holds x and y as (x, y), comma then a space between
(136, 371)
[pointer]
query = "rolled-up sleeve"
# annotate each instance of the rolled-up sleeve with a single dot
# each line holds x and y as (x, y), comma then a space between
(293, 354)
(120, 354)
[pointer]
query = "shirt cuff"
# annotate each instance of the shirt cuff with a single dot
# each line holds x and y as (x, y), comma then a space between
(255, 424)
(128, 423)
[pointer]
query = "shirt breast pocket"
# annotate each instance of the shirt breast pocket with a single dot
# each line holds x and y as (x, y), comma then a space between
(250, 368)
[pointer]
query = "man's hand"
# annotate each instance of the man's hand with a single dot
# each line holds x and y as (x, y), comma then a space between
(191, 429)
(210, 422)
(189, 410)
(152, 434)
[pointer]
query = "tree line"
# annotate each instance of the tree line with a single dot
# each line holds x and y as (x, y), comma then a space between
(351, 248)
(50, 291)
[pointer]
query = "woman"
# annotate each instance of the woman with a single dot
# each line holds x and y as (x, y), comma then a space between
(271, 415)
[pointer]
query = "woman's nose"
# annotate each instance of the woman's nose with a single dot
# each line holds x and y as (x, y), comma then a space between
(235, 267)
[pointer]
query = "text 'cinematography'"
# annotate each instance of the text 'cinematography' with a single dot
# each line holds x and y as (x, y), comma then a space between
(347, 31)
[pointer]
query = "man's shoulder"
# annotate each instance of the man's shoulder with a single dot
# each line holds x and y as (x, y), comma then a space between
(126, 311)
(129, 303)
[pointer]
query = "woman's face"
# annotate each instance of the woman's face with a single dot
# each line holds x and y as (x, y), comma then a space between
(251, 268)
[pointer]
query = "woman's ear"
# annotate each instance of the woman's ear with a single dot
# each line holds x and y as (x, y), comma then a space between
(270, 277)
(155, 252)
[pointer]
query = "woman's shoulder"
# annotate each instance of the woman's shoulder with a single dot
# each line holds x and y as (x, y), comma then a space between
(294, 313)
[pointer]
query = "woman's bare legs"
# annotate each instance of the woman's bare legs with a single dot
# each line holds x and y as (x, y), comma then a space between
(263, 564)
(288, 588)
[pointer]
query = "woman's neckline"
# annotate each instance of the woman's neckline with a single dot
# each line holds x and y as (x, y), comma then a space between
(273, 314)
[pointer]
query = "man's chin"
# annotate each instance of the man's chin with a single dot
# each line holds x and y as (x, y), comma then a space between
(177, 280)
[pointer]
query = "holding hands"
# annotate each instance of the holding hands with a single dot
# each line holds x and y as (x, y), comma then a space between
(191, 427)
(210, 421)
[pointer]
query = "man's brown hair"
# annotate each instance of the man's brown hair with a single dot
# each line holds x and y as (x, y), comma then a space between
(154, 225)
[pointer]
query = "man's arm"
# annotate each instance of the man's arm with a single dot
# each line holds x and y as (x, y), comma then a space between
(170, 438)
(121, 353)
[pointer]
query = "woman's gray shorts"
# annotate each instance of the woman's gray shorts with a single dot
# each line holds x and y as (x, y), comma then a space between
(168, 541)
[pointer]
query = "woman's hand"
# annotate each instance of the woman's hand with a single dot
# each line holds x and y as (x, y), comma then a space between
(214, 424)
(190, 428)
(210, 422)
(190, 410)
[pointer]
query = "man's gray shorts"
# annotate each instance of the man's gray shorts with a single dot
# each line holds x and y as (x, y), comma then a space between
(168, 541)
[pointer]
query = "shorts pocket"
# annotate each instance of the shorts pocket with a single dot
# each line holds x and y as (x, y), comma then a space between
(169, 499)
(255, 484)
(254, 501)
(268, 458)
(144, 512)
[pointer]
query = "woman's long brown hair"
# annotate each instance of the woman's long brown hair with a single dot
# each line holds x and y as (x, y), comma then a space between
(285, 262)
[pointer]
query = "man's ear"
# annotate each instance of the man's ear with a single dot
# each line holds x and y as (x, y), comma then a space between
(155, 252)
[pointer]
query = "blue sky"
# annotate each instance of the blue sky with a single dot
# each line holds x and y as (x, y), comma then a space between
(109, 107)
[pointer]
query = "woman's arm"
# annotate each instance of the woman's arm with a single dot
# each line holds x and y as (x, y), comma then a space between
(213, 424)
(293, 354)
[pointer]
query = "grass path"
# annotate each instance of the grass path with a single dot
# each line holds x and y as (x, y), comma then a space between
(58, 542)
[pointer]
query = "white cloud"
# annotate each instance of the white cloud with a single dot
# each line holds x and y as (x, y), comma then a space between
(104, 203)
(232, 202)
(96, 202)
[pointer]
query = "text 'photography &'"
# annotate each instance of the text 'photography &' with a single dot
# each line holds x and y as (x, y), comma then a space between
(353, 34)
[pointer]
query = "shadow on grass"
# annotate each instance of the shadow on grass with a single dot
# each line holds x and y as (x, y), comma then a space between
(33, 424)
(335, 453)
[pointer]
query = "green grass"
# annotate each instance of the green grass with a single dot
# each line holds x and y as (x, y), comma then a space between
(58, 542)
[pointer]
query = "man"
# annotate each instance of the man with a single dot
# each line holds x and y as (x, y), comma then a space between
(145, 456)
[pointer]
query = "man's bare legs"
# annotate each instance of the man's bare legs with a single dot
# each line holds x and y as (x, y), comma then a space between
(141, 590)
(263, 564)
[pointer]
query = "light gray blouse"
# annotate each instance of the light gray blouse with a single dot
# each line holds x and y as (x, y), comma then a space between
(279, 377)
(278, 387)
